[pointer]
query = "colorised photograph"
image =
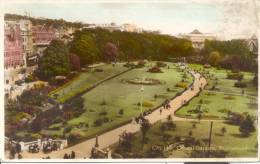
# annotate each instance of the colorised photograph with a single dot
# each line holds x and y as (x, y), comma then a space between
(173, 80)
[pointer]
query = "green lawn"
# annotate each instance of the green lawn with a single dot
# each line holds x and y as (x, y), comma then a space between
(232, 142)
(85, 80)
(227, 85)
(116, 94)
(215, 103)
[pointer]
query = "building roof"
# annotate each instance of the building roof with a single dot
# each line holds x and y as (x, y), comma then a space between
(195, 32)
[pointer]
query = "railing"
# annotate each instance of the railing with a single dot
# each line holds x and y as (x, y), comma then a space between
(25, 145)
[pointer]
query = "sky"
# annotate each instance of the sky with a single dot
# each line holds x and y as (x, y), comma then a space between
(224, 18)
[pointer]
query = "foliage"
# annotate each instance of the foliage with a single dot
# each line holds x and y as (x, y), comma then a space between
(160, 64)
(75, 62)
(240, 84)
(89, 43)
(181, 85)
(247, 126)
(85, 47)
(214, 58)
(155, 69)
(121, 111)
(110, 51)
(140, 64)
(235, 75)
(54, 62)
(98, 122)
(235, 54)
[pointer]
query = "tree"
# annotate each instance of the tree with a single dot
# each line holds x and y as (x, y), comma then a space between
(55, 61)
(247, 126)
(214, 58)
(223, 130)
(85, 47)
(125, 141)
(75, 62)
(145, 126)
(110, 52)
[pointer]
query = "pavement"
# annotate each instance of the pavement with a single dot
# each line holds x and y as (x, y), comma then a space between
(83, 149)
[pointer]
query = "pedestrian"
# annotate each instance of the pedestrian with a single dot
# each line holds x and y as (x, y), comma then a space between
(160, 111)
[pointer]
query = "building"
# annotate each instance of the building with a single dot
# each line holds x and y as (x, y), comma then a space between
(253, 45)
(114, 27)
(13, 50)
(42, 36)
(27, 38)
(197, 38)
(130, 28)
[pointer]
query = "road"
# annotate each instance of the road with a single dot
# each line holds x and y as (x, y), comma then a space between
(83, 149)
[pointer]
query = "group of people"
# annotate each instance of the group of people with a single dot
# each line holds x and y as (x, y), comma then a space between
(34, 148)
(50, 146)
(166, 105)
(72, 155)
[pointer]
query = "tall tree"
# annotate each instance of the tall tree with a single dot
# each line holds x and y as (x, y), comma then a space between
(55, 61)
(85, 47)
(214, 58)
(110, 51)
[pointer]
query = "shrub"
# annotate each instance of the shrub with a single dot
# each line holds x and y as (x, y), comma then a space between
(98, 122)
(129, 65)
(105, 119)
(121, 111)
(182, 85)
(35, 136)
(103, 102)
(240, 84)
(147, 104)
(67, 129)
(235, 76)
(161, 64)
(229, 97)
(155, 69)
(140, 64)
(29, 78)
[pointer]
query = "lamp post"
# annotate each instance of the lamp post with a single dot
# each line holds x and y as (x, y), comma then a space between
(142, 90)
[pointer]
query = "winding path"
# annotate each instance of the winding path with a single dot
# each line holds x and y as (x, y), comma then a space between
(83, 149)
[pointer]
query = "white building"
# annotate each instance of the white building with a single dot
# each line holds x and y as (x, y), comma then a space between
(197, 38)
(114, 27)
(253, 45)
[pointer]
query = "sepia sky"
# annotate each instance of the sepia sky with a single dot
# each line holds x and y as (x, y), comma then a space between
(225, 18)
